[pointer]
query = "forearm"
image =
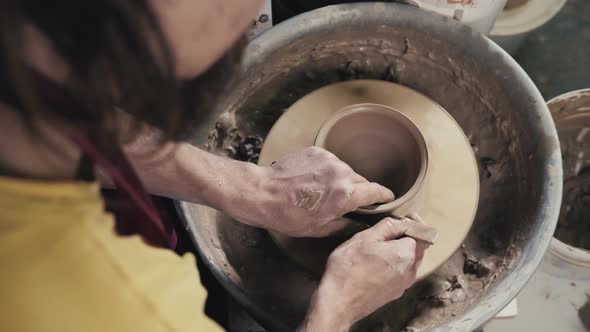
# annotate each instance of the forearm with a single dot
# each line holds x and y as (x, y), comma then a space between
(185, 172)
(300, 194)
(325, 313)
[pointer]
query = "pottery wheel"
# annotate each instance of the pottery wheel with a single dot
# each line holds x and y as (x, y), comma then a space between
(450, 191)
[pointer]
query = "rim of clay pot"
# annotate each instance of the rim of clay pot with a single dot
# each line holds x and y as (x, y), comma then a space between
(390, 112)
(571, 254)
(480, 16)
(511, 4)
(526, 17)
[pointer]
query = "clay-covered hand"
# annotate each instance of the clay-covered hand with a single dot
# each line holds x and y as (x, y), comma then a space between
(371, 269)
(305, 193)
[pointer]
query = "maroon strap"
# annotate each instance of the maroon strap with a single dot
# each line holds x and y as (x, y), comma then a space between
(146, 220)
(133, 207)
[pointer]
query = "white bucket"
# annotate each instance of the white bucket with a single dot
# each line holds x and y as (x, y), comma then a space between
(478, 14)
(568, 108)
(513, 25)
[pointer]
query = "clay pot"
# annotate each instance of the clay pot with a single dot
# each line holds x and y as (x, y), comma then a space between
(479, 15)
(392, 135)
(521, 17)
(384, 146)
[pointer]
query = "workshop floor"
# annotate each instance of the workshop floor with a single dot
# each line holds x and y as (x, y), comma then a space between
(551, 300)
(557, 58)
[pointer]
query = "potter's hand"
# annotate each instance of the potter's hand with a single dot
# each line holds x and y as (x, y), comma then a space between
(299, 195)
(304, 193)
(366, 272)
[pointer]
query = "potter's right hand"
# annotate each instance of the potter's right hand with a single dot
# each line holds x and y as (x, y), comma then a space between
(371, 269)
(304, 194)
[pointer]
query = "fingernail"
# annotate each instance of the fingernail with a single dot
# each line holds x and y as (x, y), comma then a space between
(391, 194)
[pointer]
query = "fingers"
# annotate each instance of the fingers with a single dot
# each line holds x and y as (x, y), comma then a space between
(416, 217)
(389, 229)
(402, 256)
(409, 254)
(368, 193)
(408, 247)
(335, 171)
(419, 247)
(420, 250)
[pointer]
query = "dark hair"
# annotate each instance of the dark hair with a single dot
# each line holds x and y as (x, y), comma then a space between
(109, 46)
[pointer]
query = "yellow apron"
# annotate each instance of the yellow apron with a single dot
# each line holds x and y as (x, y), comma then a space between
(64, 269)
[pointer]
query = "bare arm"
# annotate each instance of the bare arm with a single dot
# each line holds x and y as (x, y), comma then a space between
(372, 268)
(299, 195)
(184, 172)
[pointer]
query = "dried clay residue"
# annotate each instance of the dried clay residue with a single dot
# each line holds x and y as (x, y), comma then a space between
(460, 280)
(227, 138)
(442, 295)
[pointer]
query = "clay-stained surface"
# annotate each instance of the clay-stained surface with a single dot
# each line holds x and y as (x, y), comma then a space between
(483, 108)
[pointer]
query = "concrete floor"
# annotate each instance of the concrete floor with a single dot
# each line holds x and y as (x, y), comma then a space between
(550, 301)
(557, 58)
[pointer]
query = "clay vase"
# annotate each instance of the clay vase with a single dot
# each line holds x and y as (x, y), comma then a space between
(396, 137)
(384, 146)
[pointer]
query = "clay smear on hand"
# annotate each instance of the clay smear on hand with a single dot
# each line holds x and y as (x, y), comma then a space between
(308, 199)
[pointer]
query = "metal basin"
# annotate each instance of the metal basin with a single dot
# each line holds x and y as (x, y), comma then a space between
(488, 94)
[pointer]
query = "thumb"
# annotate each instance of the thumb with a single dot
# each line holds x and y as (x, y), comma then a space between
(389, 229)
(368, 193)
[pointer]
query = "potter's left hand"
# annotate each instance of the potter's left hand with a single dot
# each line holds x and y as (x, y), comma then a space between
(305, 193)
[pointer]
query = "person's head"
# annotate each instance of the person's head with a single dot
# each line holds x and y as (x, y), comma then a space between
(163, 61)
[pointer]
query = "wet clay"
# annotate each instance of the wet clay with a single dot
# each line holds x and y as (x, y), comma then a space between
(572, 118)
(380, 144)
(481, 106)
